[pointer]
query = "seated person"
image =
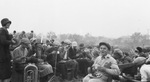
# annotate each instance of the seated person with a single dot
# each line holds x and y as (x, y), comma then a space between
(84, 60)
(145, 72)
(19, 60)
(65, 63)
(140, 60)
(104, 66)
(38, 57)
(127, 69)
(21, 57)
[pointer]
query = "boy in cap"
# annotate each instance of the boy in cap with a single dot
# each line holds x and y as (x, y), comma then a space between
(104, 66)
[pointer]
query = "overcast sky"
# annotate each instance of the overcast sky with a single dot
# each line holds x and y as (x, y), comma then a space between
(109, 18)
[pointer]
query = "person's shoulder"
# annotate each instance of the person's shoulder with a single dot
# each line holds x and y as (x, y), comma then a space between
(1, 29)
(111, 58)
(143, 67)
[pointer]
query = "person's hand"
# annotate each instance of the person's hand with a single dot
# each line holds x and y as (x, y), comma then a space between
(95, 66)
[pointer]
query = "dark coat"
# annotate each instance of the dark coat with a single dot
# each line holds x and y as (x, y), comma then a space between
(5, 57)
(72, 53)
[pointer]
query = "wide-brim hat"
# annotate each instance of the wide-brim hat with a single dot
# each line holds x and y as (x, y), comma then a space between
(4, 21)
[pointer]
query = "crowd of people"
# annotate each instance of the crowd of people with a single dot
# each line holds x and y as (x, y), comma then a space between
(68, 59)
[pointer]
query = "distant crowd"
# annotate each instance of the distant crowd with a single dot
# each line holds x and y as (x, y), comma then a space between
(68, 59)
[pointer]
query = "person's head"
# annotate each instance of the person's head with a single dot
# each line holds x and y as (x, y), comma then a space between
(62, 42)
(5, 22)
(23, 32)
(52, 40)
(25, 43)
(32, 31)
(74, 44)
(139, 50)
(95, 53)
(81, 46)
(104, 48)
(66, 43)
(47, 42)
(118, 54)
(14, 32)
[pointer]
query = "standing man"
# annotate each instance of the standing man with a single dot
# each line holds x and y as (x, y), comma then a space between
(5, 57)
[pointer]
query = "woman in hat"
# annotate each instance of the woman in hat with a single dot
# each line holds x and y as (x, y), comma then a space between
(5, 57)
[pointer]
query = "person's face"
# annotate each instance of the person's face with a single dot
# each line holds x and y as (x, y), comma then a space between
(47, 42)
(116, 56)
(74, 47)
(103, 50)
(7, 25)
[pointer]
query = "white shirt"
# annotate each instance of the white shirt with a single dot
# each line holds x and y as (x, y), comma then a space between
(108, 62)
(145, 73)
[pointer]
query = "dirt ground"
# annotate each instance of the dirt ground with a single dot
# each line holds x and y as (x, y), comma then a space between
(58, 79)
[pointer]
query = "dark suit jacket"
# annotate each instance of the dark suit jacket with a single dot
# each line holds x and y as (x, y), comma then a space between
(72, 53)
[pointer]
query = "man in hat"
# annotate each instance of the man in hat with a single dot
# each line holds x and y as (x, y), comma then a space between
(104, 66)
(20, 53)
(45, 69)
(5, 57)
